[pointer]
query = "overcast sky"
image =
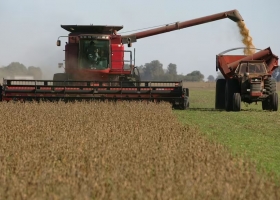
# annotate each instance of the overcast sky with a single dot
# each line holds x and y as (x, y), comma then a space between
(30, 28)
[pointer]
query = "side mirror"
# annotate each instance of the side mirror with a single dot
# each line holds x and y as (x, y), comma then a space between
(58, 43)
(129, 44)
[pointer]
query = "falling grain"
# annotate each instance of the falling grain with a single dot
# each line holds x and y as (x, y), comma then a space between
(247, 40)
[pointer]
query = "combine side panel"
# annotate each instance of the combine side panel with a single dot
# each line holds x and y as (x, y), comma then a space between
(29, 90)
(117, 57)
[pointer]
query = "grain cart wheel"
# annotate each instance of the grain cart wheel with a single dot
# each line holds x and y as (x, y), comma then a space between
(274, 101)
(231, 88)
(220, 94)
(236, 102)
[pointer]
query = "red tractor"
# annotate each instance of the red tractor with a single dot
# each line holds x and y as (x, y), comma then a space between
(247, 79)
(95, 68)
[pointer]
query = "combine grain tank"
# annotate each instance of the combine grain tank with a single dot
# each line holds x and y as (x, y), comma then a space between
(96, 68)
(247, 79)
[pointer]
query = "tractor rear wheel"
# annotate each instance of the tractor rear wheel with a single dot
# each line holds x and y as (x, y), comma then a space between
(236, 102)
(220, 94)
(273, 85)
(274, 101)
(270, 86)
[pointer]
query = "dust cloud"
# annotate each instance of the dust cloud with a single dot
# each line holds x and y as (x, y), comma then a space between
(247, 40)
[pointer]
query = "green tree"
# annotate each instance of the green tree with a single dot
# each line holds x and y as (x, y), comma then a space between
(153, 71)
(194, 76)
(211, 78)
(171, 73)
(18, 69)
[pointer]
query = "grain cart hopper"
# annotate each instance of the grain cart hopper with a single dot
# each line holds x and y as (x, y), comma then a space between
(95, 68)
(247, 79)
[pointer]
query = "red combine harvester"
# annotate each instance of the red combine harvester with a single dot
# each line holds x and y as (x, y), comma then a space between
(95, 68)
(247, 79)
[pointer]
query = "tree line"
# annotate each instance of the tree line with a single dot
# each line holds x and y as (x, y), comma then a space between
(153, 71)
(18, 69)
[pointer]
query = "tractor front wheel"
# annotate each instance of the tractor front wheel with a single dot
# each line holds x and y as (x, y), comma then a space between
(236, 102)
(231, 89)
(265, 105)
(274, 101)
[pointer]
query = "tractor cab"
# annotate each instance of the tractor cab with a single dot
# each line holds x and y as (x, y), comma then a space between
(251, 68)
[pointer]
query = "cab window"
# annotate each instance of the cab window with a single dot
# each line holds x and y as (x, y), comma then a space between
(94, 54)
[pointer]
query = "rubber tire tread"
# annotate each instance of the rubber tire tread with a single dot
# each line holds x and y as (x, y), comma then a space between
(273, 85)
(236, 102)
(274, 102)
(267, 86)
(186, 101)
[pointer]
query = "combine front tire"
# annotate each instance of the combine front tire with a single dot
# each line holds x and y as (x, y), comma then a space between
(186, 102)
(236, 102)
(220, 94)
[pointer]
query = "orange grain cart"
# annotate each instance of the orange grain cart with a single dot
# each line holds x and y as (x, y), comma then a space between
(247, 79)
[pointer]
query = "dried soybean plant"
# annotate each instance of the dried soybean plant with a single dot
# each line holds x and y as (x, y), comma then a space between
(116, 151)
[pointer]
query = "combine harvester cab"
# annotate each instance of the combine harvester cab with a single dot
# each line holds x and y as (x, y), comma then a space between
(247, 79)
(96, 68)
